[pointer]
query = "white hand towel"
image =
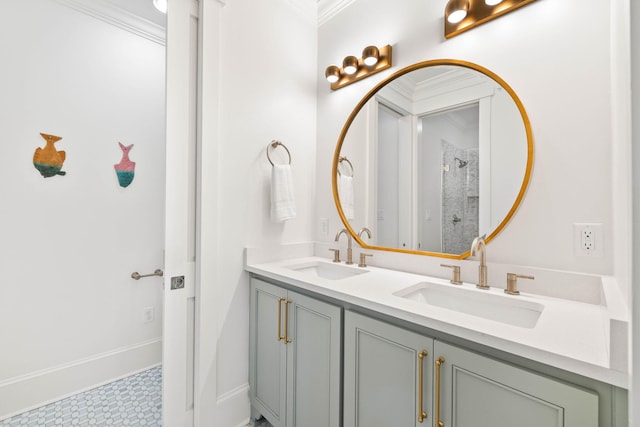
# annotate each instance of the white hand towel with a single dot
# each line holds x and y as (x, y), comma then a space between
(345, 192)
(283, 206)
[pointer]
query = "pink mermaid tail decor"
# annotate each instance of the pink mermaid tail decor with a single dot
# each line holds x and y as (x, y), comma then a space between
(126, 168)
(48, 160)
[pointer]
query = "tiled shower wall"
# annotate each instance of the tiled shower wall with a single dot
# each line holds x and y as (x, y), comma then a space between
(459, 198)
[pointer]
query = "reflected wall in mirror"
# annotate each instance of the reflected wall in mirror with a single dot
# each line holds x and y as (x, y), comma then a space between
(433, 156)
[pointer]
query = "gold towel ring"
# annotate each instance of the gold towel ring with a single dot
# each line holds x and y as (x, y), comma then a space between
(344, 159)
(274, 144)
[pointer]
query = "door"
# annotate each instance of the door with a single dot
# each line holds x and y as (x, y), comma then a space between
(180, 214)
(387, 375)
(476, 391)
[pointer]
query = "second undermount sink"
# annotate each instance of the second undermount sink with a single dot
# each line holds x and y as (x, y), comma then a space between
(327, 270)
(491, 306)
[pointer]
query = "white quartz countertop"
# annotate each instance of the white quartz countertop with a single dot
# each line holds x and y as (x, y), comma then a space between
(572, 335)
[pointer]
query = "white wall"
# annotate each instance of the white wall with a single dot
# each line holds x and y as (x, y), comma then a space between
(259, 84)
(70, 314)
(564, 82)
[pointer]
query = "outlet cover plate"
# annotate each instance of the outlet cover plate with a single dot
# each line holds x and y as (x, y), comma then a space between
(588, 240)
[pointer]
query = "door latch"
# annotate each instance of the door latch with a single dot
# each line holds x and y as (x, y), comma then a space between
(177, 282)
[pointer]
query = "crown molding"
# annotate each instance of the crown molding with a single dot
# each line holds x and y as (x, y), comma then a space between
(327, 9)
(118, 17)
(308, 9)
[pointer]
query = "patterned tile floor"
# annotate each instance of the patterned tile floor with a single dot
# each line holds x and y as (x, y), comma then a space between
(262, 423)
(133, 401)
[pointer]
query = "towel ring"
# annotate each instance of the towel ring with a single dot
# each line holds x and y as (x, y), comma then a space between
(344, 159)
(274, 144)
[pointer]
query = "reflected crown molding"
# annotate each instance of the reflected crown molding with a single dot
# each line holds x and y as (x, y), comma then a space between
(118, 17)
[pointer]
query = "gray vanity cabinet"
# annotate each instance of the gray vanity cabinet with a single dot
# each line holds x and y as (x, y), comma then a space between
(384, 367)
(383, 371)
(295, 350)
(478, 391)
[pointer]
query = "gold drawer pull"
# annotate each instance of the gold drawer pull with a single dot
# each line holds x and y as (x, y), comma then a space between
(439, 362)
(286, 338)
(280, 336)
(421, 413)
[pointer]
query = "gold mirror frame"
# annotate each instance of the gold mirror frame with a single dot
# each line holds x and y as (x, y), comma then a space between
(371, 94)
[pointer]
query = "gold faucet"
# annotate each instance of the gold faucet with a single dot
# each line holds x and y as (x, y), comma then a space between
(349, 245)
(478, 246)
(364, 230)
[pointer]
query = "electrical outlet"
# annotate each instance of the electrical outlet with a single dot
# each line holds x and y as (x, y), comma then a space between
(324, 226)
(588, 239)
(148, 314)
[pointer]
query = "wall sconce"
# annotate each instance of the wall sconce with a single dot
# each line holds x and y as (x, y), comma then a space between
(373, 60)
(463, 15)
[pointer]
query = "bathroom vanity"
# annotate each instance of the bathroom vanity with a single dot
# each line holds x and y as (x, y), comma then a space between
(333, 344)
(338, 345)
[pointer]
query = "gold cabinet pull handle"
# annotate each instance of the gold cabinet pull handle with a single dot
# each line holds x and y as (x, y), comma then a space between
(439, 362)
(280, 336)
(421, 413)
(286, 338)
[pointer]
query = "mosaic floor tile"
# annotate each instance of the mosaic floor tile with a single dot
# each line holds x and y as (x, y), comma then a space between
(132, 401)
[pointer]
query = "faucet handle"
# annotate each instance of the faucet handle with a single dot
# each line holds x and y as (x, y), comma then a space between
(336, 255)
(363, 261)
(455, 277)
(512, 283)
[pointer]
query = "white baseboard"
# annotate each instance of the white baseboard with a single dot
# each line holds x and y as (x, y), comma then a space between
(30, 391)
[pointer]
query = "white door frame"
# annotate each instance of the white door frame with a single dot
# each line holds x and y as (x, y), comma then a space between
(179, 335)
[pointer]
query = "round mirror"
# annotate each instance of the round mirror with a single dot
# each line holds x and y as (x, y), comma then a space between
(432, 157)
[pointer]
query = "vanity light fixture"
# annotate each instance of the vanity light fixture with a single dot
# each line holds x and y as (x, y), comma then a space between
(161, 5)
(456, 10)
(463, 15)
(373, 60)
(332, 73)
(350, 65)
(370, 55)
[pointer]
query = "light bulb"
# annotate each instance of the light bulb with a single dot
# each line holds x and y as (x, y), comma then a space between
(370, 55)
(350, 65)
(492, 2)
(456, 10)
(332, 74)
(457, 16)
(161, 5)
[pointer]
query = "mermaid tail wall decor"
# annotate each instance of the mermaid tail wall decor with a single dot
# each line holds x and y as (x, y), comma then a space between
(48, 160)
(126, 168)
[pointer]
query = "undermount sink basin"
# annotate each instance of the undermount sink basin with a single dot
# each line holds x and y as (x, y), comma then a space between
(327, 270)
(504, 309)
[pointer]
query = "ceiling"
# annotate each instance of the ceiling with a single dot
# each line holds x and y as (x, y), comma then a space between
(145, 9)
(140, 8)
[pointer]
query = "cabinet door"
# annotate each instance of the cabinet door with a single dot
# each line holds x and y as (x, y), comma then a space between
(381, 374)
(267, 354)
(476, 391)
(313, 362)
